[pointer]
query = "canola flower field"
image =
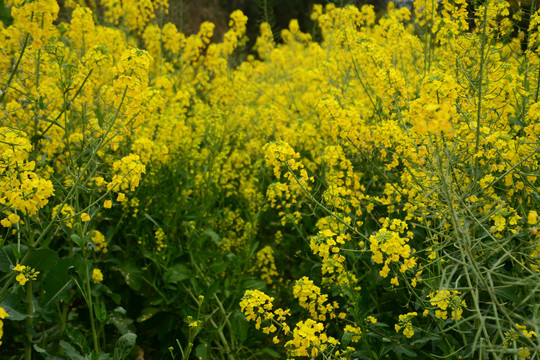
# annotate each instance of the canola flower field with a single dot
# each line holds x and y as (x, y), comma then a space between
(365, 190)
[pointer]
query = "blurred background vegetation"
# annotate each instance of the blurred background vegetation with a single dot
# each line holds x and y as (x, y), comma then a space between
(188, 15)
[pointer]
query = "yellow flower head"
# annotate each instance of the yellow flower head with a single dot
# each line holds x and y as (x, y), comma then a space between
(97, 276)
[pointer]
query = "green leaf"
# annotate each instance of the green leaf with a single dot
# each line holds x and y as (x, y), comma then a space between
(252, 284)
(15, 308)
(78, 338)
(213, 235)
(270, 352)
(119, 311)
(124, 346)
(71, 352)
(132, 274)
(212, 289)
(404, 350)
(41, 351)
(346, 338)
(425, 339)
(147, 313)
(42, 260)
(233, 258)
(218, 267)
(508, 294)
(8, 257)
(202, 351)
(99, 116)
(99, 355)
(253, 249)
(177, 273)
(239, 326)
(52, 122)
(57, 282)
(119, 320)
(80, 242)
(100, 311)
(41, 104)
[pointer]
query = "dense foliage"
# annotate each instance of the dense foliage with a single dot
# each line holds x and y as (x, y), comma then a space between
(371, 195)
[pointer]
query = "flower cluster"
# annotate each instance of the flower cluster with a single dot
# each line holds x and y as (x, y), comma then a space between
(265, 263)
(310, 298)
(447, 300)
(309, 339)
(258, 307)
(26, 274)
(405, 324)
(22, 189)
(388, 247)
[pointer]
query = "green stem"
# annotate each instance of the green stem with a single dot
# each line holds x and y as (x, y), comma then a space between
(90, 303)
(480, 87)
(3, 94)
(29, 310)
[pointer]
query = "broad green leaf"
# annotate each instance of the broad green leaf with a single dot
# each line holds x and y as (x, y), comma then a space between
(15, 308)
(8, 258)
(57, 281)
(218, 267)
(202, 351)
(132, 274)
(404, 350)
(100, 311)
(252, 283)
(239, 325)
(124, 346)
(42, 260)
(80, 242)
(177, 273)
(71, 352)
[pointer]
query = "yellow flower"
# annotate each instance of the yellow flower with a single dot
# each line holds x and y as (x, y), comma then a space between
(3, 315)
(107, 204)
(21, 279)
(371, 319)
(19, 267)
(85, 217)
(121, 197)
(97, 276)
(13, 218)
(523, 353)
(532, 218)
(99, 240)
